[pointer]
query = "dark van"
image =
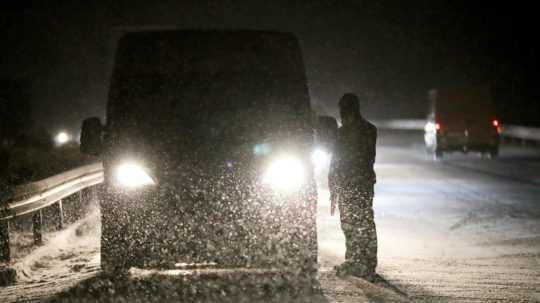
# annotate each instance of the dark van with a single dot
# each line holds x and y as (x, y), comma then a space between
(462, 119)
(206, 151)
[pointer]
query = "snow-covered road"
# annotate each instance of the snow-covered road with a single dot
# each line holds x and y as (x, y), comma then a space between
(464, 229)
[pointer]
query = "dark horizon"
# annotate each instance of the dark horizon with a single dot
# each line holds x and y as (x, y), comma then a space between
(393, 53)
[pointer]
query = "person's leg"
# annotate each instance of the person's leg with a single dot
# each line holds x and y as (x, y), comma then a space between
(346, 218)
(357, 222)
(350, 215)
(368, 232)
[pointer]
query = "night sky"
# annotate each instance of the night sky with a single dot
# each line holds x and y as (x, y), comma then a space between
(393, 51)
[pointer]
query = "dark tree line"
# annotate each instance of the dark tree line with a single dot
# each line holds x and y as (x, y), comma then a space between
(15, 110)
(14, 119)
(17, 130)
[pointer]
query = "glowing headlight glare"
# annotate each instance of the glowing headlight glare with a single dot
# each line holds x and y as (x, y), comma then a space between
(320, 158)
(431, 127)
(61, 138)
(132, 175)
(285, 174)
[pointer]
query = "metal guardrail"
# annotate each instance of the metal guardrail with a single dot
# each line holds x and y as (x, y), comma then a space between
(521, 132)
(35, 196)
(510, 131)
(404, 124)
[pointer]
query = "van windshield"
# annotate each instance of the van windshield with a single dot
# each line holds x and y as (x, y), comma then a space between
(216, 109)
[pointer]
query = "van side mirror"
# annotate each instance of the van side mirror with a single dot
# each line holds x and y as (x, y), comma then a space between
(91, 136)
(326, 131)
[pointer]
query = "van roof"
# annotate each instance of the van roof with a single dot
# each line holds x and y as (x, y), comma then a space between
(153, 44)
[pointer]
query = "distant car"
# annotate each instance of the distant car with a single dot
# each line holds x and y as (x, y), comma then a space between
(462, 119)
(207, 153)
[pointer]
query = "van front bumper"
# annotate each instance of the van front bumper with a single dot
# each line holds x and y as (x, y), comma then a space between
(160, 227)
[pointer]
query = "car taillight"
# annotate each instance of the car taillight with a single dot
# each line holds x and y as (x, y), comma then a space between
(497, 126)
(437, 126)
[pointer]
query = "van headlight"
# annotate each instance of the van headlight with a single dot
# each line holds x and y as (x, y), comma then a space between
(285, 174)
(320, 158)
(132, 175)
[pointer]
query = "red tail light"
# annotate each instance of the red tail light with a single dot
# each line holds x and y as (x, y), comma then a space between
(438, 126)
(497, 125)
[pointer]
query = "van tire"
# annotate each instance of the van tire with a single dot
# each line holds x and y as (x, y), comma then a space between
(113, 265)
(307, 276)
(115, 252)
(438, 155)
(114, 260)
(307, 256)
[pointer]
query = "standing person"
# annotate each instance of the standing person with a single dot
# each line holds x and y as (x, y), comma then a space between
(351, 183)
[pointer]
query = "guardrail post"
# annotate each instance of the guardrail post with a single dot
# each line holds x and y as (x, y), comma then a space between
(94, 198)
(5, 254)
(83, 195)
(37, 223)
(60, 214)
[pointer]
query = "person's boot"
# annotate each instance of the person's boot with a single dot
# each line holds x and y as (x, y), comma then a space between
(356, 270)
(347, 268)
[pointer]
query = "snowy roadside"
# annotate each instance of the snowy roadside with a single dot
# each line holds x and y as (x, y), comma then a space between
(447, 234)
(68, 257)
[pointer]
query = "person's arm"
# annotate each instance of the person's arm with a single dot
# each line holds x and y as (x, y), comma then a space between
(373, 144)
(372, 151)
(332, 180)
